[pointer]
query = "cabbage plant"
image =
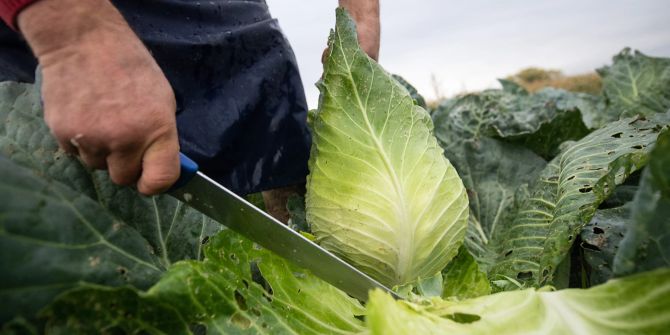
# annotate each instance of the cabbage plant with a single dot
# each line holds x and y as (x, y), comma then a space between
(550, 216)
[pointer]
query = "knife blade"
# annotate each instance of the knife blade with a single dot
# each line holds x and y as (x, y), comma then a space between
(222, 205)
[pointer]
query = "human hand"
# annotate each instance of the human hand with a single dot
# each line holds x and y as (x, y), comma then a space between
(105, 98)
(366, 15)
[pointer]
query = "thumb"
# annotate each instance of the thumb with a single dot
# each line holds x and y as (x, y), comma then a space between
(160, 166)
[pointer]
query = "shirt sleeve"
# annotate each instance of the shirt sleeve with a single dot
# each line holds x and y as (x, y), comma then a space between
(9, 10)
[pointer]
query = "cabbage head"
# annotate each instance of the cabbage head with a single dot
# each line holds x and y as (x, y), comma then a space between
(380, 193)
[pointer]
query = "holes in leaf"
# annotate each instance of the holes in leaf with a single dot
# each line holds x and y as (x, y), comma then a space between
(570, 237)
(524, 275)
(205, 240)
(617, 135)
(240, 321)
(545, 273)
(590, 246)
(246, 283)
(553, 178)
(196, 329)
(463, 317)
(571, 177)
(508, 253)
(585, 189)
(360, 317)
(240, 300)
(255, 312)
(597, 230)
(610, 153)
(121, 270)
(639, 146)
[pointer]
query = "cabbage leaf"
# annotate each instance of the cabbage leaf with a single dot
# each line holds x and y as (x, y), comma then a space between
(639, 304)
(380, 193)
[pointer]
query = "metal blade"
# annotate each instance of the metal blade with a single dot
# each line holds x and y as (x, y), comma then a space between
(224, 206)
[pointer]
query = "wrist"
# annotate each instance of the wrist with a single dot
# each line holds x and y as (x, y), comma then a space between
(52, 25)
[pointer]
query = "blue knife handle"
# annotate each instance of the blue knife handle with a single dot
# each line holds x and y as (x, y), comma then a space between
(188, 169)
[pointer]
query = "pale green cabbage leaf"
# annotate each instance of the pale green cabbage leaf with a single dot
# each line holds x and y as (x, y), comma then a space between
(639, 304)
(380, 193)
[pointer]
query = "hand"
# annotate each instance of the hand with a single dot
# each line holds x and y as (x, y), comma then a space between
(366, 15)
(105, 98)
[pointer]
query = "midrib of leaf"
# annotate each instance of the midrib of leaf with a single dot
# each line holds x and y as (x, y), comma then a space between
(633, 81)
(159, 229)
(101, 238)
(573, 321)
(198, 254)
(405, 233)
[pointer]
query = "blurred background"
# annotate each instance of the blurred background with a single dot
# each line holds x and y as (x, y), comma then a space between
(446, 48)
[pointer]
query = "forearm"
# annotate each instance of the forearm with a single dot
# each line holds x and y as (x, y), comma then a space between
(366, 15)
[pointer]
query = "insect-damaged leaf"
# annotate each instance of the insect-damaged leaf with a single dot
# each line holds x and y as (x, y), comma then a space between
(566, 195)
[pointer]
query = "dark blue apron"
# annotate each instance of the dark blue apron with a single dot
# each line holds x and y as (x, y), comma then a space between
(241, 107)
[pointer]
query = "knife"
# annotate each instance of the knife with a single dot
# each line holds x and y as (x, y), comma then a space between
(222, 205)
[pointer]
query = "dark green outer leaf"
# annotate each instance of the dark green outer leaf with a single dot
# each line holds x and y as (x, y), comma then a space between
(540, 121)
(52, 238)
(491, 171)
(566, 196)
(637, 84)
(162, 227)
(646, 245)
(600, 240)
(512, 87)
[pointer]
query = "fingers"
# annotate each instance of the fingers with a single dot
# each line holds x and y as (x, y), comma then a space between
(89, 153)
(124, 167)
(93, 160)
(160, 166)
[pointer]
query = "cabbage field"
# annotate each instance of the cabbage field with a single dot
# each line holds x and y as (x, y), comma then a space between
(498, 212)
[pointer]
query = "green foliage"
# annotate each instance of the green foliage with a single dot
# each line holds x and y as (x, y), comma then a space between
(380, 193)
(218, 294)
(462, 278)
(636, 83)
(540, 170)
(601, 240)
(565, 196)
(63, 226)
(647, 242)
(634, 305)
